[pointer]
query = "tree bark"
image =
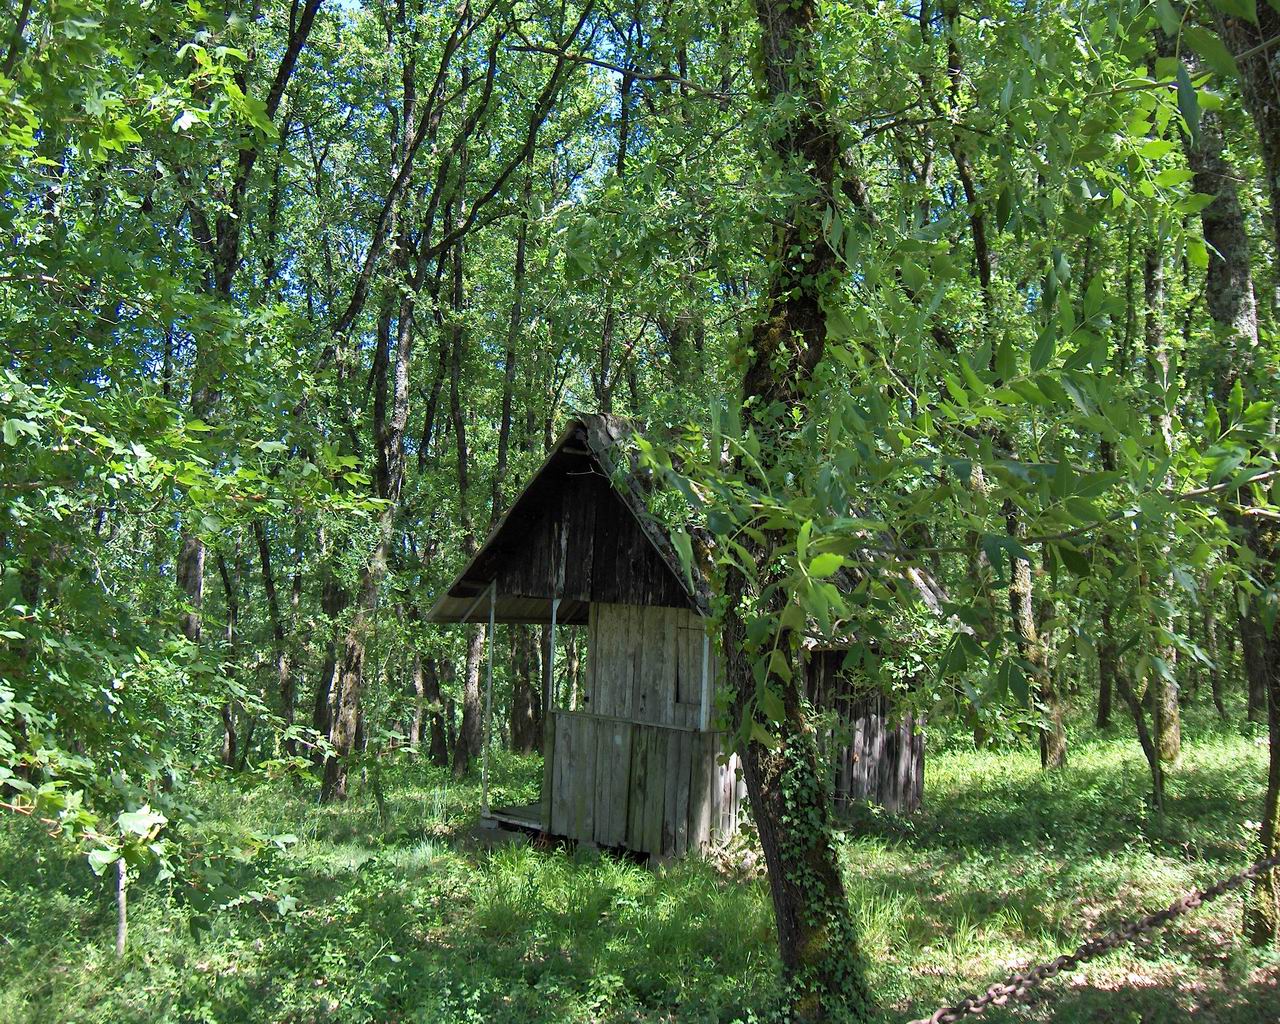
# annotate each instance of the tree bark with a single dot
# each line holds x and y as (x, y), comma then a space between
(231, 636)
(1262, 905)
(1228, 288)
(1163, 681)
(817, 939)
(388, 480)
(284, 678)
(1215, 666)
(469, 735)
(1260, 88)
(1107, 661)
(1031, 648)
(526, 717)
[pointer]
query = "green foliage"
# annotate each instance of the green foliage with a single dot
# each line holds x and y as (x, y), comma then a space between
(413, 918)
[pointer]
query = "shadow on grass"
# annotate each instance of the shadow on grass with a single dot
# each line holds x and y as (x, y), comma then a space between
(1245, 1000)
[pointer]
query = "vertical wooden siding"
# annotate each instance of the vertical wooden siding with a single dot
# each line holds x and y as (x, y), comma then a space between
(646, 664)
(631, 768)
(571, 536)
(875, 751)
(646, 788)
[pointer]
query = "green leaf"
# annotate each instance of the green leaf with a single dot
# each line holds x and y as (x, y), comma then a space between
(1235, 404)
(1188, 103)
(1246, 9)
(1004, 209)
(684, 550)
(913, 276)
(1172, 176)
(825, 565)
(839, 326)
(778, 666)
(1042, 351)
(1006, 359)
(100, 860)
(761, 735)
(13, 427)
(1212, 49)
(771, 704)
(1168, 18)
(971, 378)
(141, 821)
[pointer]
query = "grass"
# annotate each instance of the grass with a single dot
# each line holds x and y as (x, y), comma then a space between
(413, 918)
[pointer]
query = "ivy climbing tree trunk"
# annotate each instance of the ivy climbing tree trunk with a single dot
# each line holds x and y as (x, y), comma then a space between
(1259, 62)
(1163, 678)
(471, 732)
(817, 940)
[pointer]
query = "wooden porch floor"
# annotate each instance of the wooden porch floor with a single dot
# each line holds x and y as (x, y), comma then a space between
(523, 816)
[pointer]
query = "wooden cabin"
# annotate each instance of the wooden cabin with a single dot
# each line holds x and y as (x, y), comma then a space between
(636, 763)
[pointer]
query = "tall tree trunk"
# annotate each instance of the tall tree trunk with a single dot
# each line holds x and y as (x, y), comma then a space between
(388, 427)
(438, 745)
(1252, 654)
(284, 678)
(526, 720)
(1163, 680)
(817, 939)
(418, 686)
(1260, 88)
(470, 734)
(1215, 666)
(231, 636)
(334, 600)
(1148, 742)
(1228, 288)
(1031, 648)
(1107, 661)
(470, 737)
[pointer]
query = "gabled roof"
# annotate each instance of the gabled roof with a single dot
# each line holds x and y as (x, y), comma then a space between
(587, 465)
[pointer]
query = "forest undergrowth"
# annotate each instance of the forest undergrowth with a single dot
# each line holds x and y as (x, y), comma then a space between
(410, 913)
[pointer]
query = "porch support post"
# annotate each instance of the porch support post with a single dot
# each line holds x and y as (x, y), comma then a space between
(704, 712)
(551, 655)
(488, 708)
(549, 720)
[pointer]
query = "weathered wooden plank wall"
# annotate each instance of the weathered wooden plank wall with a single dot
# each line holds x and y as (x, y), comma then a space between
(631, 767)
(649, 788)
(876, 750)
(646, 664)
(571, 522)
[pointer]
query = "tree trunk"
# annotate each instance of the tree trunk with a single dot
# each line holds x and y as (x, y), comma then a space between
(190, 578)
(1149, 749)
(1260, 89)
(471, 734)
(1262, 906)
(438, 747)
(334, 600)
(231, 636)
(817, 939)
(388, 431)
(1163, 680)
(1251, 651)
(284, 678)
(417, 681)
(1107, 661)
(1053, 733)
(1215, 666)
(526, 721)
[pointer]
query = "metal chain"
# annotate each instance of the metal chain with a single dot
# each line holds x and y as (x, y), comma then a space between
(1018, 986)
